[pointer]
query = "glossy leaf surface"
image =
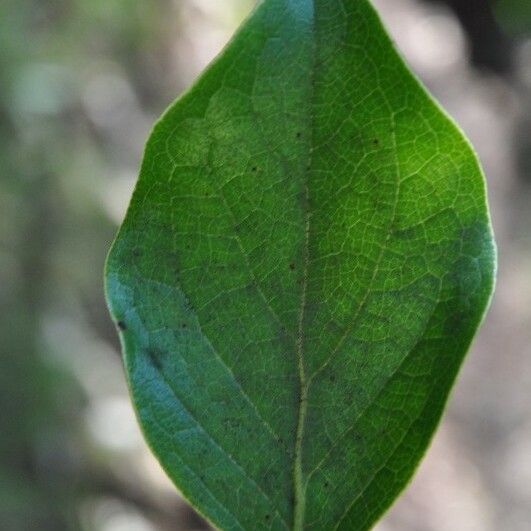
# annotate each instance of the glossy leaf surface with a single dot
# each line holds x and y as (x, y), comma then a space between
(305, 260)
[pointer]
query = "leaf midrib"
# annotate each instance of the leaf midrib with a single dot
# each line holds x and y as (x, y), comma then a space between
(299, 508)
(304, 380)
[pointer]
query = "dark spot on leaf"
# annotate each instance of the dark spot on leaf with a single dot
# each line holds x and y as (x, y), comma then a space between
(268, 517)
(121, 325)
(326, 484)
(292, 266)
(184, 325)
(332, 378)
(376, 142)
(157, 357)
(254, 168)
(299, 134)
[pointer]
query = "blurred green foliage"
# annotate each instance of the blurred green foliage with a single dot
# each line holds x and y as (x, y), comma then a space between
(514, 16)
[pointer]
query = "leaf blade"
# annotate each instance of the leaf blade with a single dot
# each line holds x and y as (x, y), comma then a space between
(293, 255)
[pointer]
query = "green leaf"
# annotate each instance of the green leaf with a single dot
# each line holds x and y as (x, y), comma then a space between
(304, 263)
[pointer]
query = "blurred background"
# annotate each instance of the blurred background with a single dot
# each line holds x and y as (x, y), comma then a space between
(81, 83)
